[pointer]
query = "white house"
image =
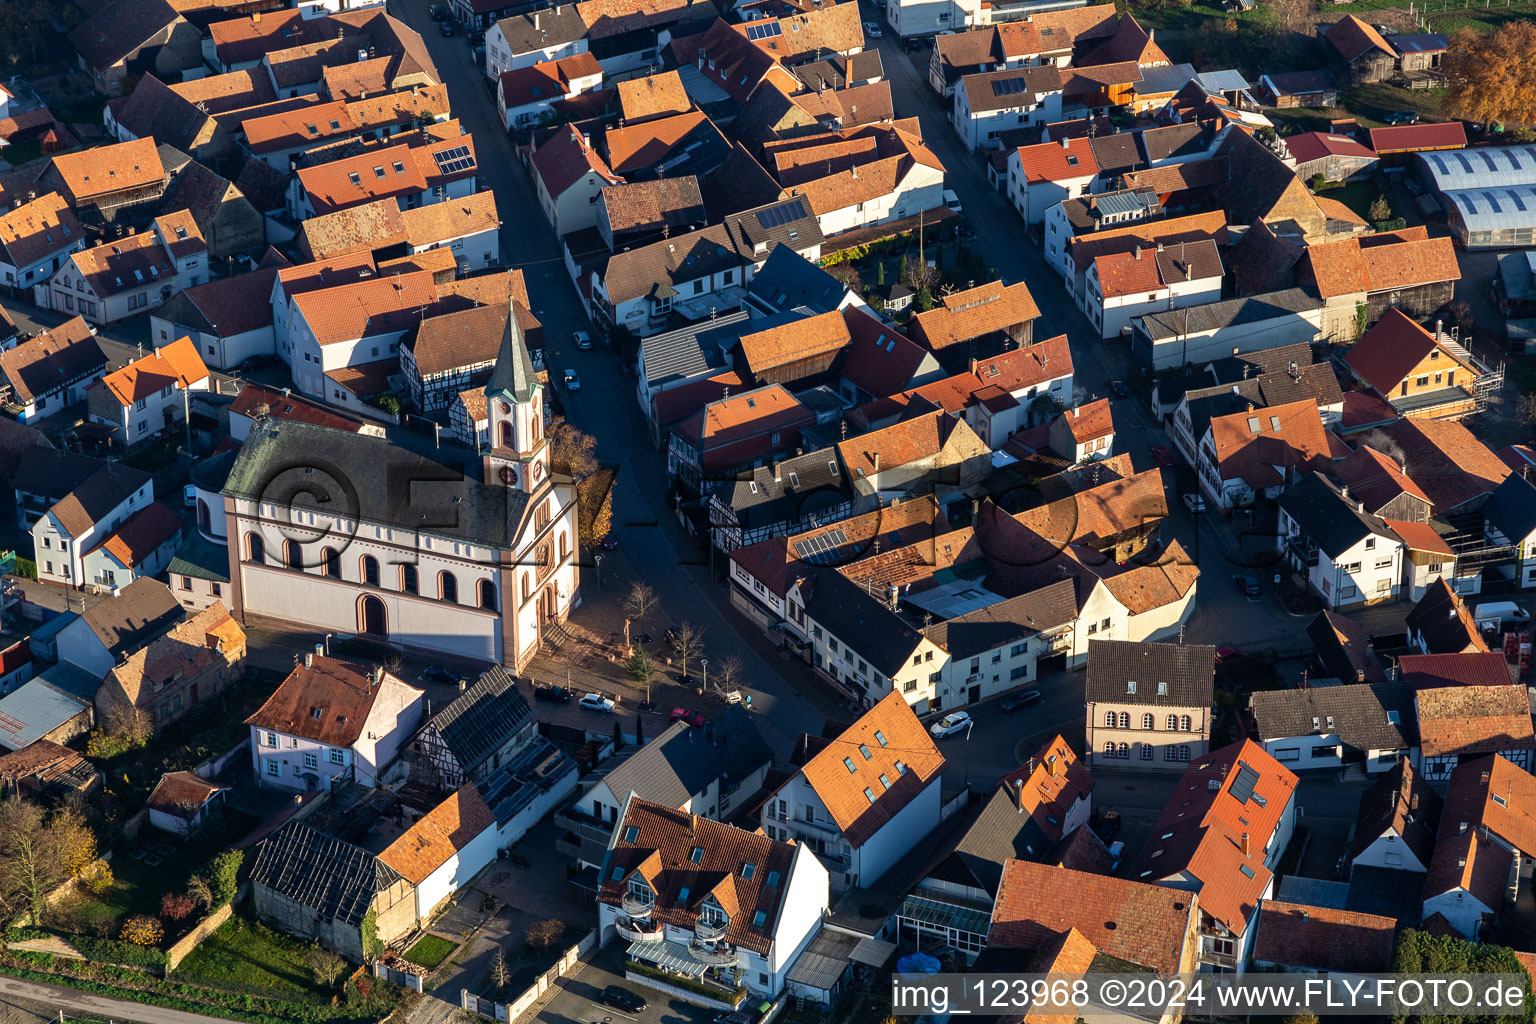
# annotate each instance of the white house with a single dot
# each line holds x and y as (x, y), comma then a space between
(866, 798)
(1329, 726)
(228, 319)
(1043, 175)
(445, 849)
(1510, 515)
(182, 803)
(89, 514)
(1260, 451)
(142, 546)
(992, 103)
(105, 634)
(35, 239)
(1122, 286)
(765, 899)
(568, 174)
(470, 227)
(1348, 555)
(904, 179)
(150, 394)
(536, 37)
(351, 325)
(52, 371)
(525, 95)
(332, 719)
(119, 278)
(1396, 825)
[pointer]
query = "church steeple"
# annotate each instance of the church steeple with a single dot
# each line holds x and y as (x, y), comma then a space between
(514, 405)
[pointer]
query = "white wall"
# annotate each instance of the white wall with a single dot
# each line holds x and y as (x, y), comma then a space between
(1459, 907)
(806, 898)
(1389, 851)
(922, 188)
(456, 872)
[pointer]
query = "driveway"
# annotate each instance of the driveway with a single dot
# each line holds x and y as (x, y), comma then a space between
(575, 998)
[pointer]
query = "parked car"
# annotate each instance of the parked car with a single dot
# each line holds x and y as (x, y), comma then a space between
(955, 721)
(435, 673)
(189, 496)
(477, 36)
(446, 29)
(1228, 653)
(552, 694)
(1117, 853)
(609, 542)
(1014, 701)
(1249, 585)
(670, 636)
(256, 362)
(1162, 455)
(1118, 389)
(596, 702)
(912, 45)
(1402, 117)
(1195, 503)
(582, 339)
(952, 200)
(872, 30)
(437, 13)
(1492, 615)
(692, 717)
(1108, 826)
(621, 999)
(572, 382)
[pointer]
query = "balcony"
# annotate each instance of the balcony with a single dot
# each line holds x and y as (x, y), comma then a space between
(709, 931)
(638, 931)
(1302, 548)
(815, 829)
(716, 954)
(637, 907)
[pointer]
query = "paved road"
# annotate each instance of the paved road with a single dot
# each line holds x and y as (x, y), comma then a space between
(55, 999)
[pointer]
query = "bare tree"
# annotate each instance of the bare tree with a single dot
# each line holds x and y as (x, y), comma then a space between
(641, 600)
(38, 852)
(325, 965)
(730, 672)
(690, 642)
(543, 934)
(501, 971)
(199, 891)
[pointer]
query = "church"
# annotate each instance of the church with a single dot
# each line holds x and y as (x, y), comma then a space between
(434, 550)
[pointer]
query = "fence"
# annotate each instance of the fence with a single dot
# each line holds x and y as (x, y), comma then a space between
(511, 1011)
(405, 979)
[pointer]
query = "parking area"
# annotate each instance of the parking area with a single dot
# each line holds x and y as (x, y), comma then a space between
(576, 1001)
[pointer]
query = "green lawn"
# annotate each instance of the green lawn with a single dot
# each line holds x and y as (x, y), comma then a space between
(1370, 103)
(1357, 195)
(430, 950)
(245, 955)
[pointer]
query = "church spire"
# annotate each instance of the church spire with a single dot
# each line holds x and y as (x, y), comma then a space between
(513, 375)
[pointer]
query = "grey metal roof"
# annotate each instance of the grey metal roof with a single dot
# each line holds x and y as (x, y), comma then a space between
(1186, 672)
(1487, 209)
(825, 960)
(1313, 892)
(483, 718)
(1006, 622)
(684, 759)
(1214, 316)
(1518, 271)
(375, 480)
(1168, 78)
(1361, 714)
(513, 374)
(1222, 81)
(71, 678)
(33, 711)
(678, 354)
(1423, 42)
(201, 559)
(1332, 523)
(328, 875)
(1482, 167)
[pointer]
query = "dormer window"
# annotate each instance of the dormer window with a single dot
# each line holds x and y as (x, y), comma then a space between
(696, 856)
(848, 763)
(1130, 686)
(773, 879)
(682, 895)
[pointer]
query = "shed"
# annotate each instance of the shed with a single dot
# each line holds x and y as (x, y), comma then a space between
(1336, 157)
(41, 711)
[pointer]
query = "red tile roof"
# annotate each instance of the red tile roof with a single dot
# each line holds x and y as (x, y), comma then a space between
(1089, 422)
(1473, 863)
(565, 158)
(821, 336)
(440, 834)
(142, 533)
(181, 794)
(1204, 830)
(905, 442)
(1416, 138)
(1383, 262)
(1354, 38)
(1474, 668)
(879, 359)
(1492, 793)
(1310, 146)
(973, 313)
(1420, 537)
(175, 365)
(1444, 458)
(1250, 445)
(858, 799)
(327, 701)
(1047, 792)
(1376, 479)
(1138, 922)
(1057, 161)
(1171, 231)
(1464, 720)
(1323, 938)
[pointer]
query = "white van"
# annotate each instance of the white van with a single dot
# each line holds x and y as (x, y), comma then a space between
(1494, 614)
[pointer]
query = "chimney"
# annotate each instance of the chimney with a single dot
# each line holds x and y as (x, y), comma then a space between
(319, 650)
(1245, 844)
(778, 473)
(1138, 252)
(376, 674)
(1437, 328)
(1159, 246)
(875, 458)
(535, 19)
(895, 594)
(1484, 780)
(309, 659)
(463, 686)
(1066, 143)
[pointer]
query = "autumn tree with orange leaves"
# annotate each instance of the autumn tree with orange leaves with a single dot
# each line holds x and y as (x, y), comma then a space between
(1492, 78)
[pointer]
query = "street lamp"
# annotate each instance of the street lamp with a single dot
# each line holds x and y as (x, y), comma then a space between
(704, 666)
(597, 561)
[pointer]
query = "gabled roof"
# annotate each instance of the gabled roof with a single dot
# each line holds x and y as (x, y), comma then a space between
(1322, 938)
(1492, 793)
(53, 358)
(37, 229)
(899, 444)
(1393, 346)
(141, 534)
(1010, 88)
(1376, 479)
(1152, 674)
(1464, 720)
(92, 173)
(139, 613)
(1512, 508)
(483, 719)
(815, 337)
(973, 313)
(175, 365)
(442, 833)
(869, 773)
(1415, 138)
(181, 794)
(119, 28)
(879, 358)
(1331, 521)
(1387, 261)
(1098, 515)
(656, 95)
(565, 158)
(1402, 803)
(1148, 270)
(685, 860)
(1365, 716)
(1260, 445)
(1057, 161)
(326, 701)
(1310, 146)
(1133, 921)
(1230, 799)
(1474, 668)
(1473, 863)
(1354, 38)
(673, 203)
(1172, 231)
(1444, 622)
(96, 496)
(332, 877)
(866, 624)
(682, 762)
(543, 29)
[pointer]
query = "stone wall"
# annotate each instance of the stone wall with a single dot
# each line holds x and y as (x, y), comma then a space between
(183, 947)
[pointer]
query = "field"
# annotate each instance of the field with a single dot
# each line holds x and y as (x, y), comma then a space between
(245, 956)
(430, 950)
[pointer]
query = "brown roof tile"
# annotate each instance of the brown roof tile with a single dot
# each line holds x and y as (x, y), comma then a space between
(52, 359)
(658, 95)
(1171, 231)
(174, 365)
(440, 834)
(673, 203)
(1465, 720)
(326, 701)
(823, 335)
(907, 441)
(142, 533)
(1354, 38)
(37, 229)
(93, 173)
(181, 794)
(1323, 938)
(1289, 436)
(1492, 793)
(188, 648)
(450, 219)
(370, 226)
(1098, 515)
(974, 313)
(1443, 457)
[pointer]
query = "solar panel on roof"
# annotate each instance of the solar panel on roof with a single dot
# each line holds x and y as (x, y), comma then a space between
(784, 213)
(451, 161)
(1243, 785)
(1009, 86)
(820, 549)
(764, 30)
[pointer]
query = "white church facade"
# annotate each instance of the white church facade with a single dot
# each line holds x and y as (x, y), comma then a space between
(426, 549)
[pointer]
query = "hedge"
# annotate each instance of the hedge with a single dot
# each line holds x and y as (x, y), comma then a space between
(116, 951)
(703, 988)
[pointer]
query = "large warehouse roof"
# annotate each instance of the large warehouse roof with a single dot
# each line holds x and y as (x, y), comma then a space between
(1484, 209)
(1483, 167)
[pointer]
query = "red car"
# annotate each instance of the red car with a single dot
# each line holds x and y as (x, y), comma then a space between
(688, 715)
(609, 542)
(1163, 456)
(1223, 653)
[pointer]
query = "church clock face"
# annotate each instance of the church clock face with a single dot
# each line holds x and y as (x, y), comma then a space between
(509, 475)
(538, 470)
